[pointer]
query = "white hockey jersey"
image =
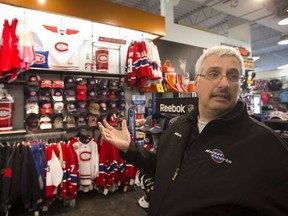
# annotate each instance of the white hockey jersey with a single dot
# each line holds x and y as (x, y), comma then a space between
(88, 157)
(63, 46)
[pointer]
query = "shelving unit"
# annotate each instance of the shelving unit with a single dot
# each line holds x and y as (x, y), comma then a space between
(74, 72)
(55, 74)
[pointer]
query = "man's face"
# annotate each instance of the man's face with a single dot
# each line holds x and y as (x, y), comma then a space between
(217, 97)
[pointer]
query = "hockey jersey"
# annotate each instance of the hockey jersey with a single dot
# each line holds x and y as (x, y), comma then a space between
(54, 172)
(88, 158)
(63, 46)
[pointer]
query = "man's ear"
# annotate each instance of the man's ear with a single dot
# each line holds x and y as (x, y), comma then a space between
(196, 81)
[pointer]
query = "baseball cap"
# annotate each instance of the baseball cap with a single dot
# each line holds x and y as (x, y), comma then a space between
(92, 94)
(32, 122)
(81, 81)
(102, 93)
(81, 120)
(94, 108)
(112, 119)
(31, 93)
(46, 83)
(113, 84)
(58, 122)
(121, 105)
(112, 106)
(69, 121)
(148, 140)
(32, 108)
(103, 83)
(45, 94)
(70, 94)
(278, 115)
(69, 82)
(45, 122)
(147, 124)
(120, 94)
(57, 94)
(81, 106)
(45, 107)
(172, 120)
(58, 84)
(33, 80)
(92, 120)
(159, 126)
(103, 106)
(81, 92)
(92, 83)
(121, 84)
(112, 94)
(58, 107)
(71, 108)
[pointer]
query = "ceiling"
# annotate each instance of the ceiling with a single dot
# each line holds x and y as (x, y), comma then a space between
(217, 15)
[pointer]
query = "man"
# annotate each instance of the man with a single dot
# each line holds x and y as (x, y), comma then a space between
(215, 160)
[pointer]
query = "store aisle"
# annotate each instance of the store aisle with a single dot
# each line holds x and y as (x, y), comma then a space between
(94, 204)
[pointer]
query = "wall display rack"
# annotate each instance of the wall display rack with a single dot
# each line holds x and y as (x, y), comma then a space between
(18, 86)
(114, 38)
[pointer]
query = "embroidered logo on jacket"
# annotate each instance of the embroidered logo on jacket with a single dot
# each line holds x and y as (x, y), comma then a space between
(218, 156)
(177, 134)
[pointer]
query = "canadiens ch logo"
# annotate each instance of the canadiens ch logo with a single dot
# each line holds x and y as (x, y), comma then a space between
(61, 46)
(218, 156)
(40, 59)
(5, 113)
(103, 57)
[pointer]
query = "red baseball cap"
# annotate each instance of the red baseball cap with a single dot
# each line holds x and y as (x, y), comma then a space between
(81, 92)
(112, 119)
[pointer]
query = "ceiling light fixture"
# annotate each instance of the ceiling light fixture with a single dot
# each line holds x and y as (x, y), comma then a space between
(283, 19)
(283, 40)
(282, 67)
(255, 58)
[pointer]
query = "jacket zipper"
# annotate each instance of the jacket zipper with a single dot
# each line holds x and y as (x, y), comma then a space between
(175, 174)
(187, 149)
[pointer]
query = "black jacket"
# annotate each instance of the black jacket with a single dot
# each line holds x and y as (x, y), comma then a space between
(236, 166)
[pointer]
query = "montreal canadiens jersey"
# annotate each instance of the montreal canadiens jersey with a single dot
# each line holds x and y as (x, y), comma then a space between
(88, 157)
(63, 46)
(54, 172)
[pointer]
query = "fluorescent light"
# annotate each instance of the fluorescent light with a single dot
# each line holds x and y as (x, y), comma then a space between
(283, 40)
(255, 58)
(283, 19)
(283, 66)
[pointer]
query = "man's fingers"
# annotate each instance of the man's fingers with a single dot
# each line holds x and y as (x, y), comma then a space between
(124, 125)
(107, 125)
(101, 127)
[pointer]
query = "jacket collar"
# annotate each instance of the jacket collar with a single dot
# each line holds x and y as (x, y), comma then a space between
(239, 111)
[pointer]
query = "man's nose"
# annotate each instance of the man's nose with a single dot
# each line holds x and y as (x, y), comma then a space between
(223, 81)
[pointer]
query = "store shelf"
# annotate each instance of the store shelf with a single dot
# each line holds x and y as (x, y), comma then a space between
(75, 72)
(20, 131)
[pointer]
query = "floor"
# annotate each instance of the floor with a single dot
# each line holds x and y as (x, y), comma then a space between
(92, 203)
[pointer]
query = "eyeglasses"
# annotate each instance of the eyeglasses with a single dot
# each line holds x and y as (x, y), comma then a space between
(217, 76)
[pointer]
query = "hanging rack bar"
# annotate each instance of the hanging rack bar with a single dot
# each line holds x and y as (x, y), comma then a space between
(34, 135)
